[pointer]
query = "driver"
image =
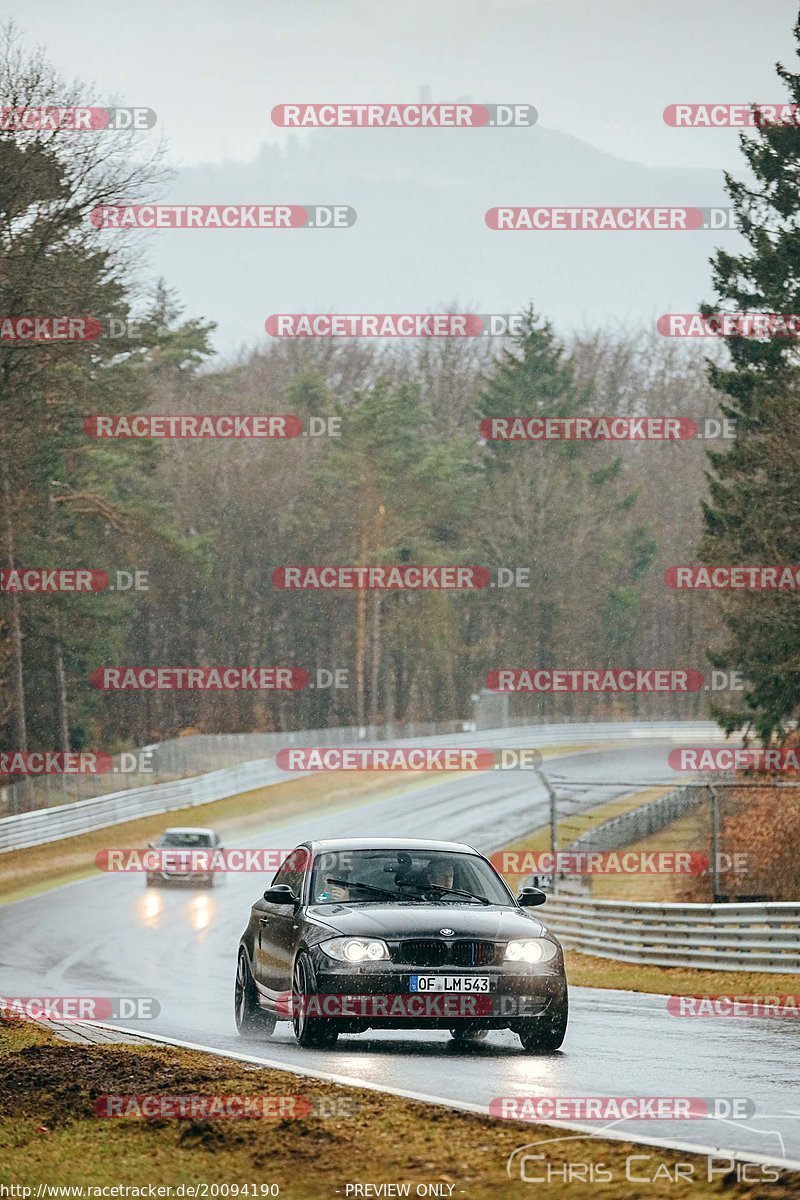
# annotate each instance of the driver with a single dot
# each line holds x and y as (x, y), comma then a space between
(335, 891)
(440, 873)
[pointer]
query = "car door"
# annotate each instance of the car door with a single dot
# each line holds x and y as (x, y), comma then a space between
(278, 926)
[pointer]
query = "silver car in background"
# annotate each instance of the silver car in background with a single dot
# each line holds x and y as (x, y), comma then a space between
(181, 868)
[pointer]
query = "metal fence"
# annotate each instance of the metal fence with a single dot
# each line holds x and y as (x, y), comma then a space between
(82, 816)
(50, 823)
(640, 823)
(527, 708)
(746, 937)
(627, 828)
(179, 758)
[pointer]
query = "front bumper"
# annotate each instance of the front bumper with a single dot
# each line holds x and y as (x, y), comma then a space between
(379, 995)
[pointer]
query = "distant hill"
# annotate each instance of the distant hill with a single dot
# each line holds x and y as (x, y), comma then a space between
(420, 241)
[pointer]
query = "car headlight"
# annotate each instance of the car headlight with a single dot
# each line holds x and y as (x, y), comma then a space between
(533, 950)
(355, 950)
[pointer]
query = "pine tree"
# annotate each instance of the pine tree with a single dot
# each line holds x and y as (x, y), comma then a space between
(752, 516)
(560, 509)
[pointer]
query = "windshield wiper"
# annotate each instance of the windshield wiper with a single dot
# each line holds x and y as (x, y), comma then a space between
(365, 887)
(438, 887)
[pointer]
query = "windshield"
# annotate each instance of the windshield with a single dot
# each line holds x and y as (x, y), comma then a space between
(405, 876)
(185, 839)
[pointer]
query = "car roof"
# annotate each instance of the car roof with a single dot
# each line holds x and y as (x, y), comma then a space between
(393, 843)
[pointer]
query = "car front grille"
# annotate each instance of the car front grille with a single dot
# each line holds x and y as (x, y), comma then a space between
(436, 952)
(472, 954)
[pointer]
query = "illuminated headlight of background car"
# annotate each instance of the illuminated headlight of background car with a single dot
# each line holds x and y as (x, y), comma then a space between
(355, 950)
(532, 950)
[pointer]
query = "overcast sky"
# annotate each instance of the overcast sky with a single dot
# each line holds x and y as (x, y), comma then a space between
(600, 69)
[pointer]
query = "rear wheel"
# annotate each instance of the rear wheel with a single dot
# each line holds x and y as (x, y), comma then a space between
(547, 1033)
(251, 1020)
(315, 1033)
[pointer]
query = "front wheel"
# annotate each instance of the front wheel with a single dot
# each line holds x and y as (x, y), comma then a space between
(314, 1033)
(251, 1020)
(547, 1033)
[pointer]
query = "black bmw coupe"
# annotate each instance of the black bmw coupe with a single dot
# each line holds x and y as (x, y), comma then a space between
(397, 934)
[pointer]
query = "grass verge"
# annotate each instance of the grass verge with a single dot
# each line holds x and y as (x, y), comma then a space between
(50, 1135)
(584, 970)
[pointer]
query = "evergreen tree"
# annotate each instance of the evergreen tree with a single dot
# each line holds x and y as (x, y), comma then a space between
(752, 516)
(560, 509)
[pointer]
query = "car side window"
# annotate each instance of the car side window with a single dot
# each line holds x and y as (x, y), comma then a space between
(292, 871)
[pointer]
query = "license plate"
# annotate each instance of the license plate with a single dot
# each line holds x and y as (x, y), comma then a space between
(449, 983)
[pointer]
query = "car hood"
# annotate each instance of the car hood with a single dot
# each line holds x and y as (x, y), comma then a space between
(427, 920)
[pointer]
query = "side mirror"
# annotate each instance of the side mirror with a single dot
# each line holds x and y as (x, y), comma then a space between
(529, 897)
(281, 893)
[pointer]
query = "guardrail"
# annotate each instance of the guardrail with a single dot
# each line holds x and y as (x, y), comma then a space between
(82, 816)
(182, 757)
(746, 937)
